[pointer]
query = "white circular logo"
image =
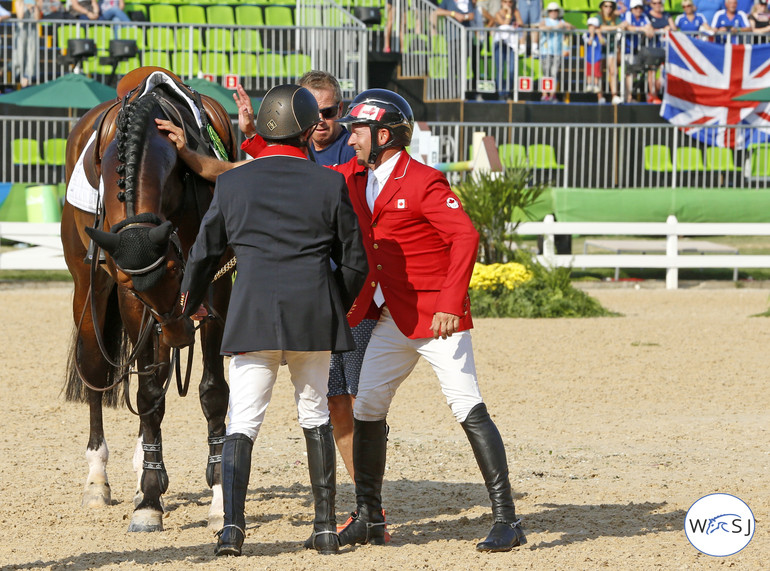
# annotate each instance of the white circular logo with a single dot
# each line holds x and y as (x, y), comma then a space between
(719, 525)
(452, 203)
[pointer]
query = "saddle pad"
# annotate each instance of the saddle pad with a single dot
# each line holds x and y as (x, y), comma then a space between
(80, 193)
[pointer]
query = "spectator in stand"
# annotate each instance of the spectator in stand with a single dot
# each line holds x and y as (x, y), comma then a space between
(489, 9)
(552, 45)
(113, 10)
(26, 52)
(635, 23)
(710, 7)
(506, 41)
(691, 21)
(594, 42)
(759, 19)
(728, 21)
(84, 9)
(531, 14)
(52, 10)
(610, 23)
(660, 23)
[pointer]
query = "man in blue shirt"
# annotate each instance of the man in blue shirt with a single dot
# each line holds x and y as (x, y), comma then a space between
(330, 139)
(730, 20)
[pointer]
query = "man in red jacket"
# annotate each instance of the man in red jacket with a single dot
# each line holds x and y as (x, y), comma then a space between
(421, 247)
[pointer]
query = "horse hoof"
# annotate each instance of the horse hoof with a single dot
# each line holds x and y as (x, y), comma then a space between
(146, 520)
(97, 496)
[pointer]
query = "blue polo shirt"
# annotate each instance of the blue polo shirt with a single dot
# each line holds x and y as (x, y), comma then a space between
(632, 39)
(337, 153)
(686, 25)
(722, 20)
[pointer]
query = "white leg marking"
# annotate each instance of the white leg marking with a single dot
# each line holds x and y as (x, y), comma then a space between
(97, 490)
(137, 462)
(217, 508)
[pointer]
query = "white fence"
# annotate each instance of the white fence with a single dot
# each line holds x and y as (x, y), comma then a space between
(45, 251)
(672, 261)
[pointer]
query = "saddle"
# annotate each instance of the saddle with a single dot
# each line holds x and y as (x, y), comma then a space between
(132, 86)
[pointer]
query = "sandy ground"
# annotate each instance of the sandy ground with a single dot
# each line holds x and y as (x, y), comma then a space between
(613, 427)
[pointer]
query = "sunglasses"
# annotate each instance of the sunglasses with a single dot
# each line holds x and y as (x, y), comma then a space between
(330, 112)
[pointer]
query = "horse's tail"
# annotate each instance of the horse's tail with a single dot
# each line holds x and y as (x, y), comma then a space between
(118, 349)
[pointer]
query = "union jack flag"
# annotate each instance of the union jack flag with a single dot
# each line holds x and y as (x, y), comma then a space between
(702, 81)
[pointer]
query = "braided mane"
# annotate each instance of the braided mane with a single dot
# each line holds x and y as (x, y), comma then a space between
(130, 135)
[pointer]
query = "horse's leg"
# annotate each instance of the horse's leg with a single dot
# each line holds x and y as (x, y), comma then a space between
(150, 404)
(87, 355)
(214, 392)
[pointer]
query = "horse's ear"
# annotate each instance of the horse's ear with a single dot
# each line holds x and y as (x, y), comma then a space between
(106, 240)
(160, 234)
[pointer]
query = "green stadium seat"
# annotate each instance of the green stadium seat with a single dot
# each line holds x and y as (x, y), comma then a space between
(512, 155)
(309, 16)
(689, 159)
(162, 14)
(270, 65)
(26, 152)
(185, 64)
(54, 151)
(191, 14)
(438, 67)
(135, 33)
(760, 160)
(657, 158)
(417, 44)
(219, 39)
(248, 15)
(296, 65)
(68, 32)
(248, 40)
(438, 45)
(529, 67)
(279, 16)
(543, 157)
(215, 63)
(571, 6)
(158, 59)
(720, 159)
(220, 15)
(577, 19)
(128, 65)
(244, 64)
(101, 35)
(160, 38)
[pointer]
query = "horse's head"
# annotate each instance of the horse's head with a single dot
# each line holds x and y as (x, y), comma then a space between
(143, 189)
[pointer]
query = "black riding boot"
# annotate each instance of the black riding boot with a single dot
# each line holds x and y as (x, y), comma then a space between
(236, 466)
(321, 458)
(489, 451)
(369, 445)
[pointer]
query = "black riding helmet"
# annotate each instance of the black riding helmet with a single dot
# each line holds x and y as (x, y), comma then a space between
(382, 109)
(287, 111)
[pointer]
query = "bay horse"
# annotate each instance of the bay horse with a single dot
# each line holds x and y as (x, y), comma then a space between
(126, 306)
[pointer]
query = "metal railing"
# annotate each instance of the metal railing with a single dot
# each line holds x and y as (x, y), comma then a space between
(567, 156)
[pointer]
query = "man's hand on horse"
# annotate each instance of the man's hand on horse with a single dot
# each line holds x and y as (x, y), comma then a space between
(200, 314)
(444, 324)
(175, 133)
(245, 112)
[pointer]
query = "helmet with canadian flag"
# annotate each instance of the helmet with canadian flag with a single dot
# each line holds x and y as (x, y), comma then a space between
(382, 109)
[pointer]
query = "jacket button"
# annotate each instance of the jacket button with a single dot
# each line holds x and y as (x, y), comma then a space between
(374, 284)
(374, 225)
(379, 267)
(375, 245)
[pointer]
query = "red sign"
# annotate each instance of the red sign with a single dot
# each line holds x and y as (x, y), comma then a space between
(209, 77)
(231, 80)
(547, 84)
(525, 84)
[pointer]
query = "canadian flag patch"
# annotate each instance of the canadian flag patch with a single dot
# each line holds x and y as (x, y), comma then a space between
(368, 111)
(452, 203)
(401, 203)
